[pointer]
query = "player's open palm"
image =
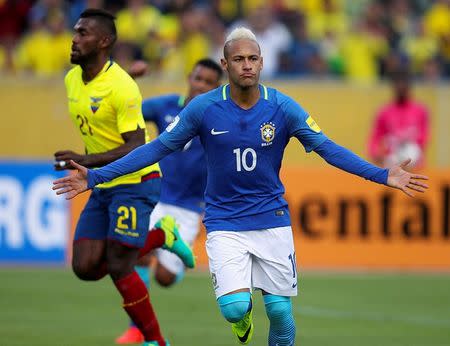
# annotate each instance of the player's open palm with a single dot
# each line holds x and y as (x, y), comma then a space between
(406, 181)
(73, 184)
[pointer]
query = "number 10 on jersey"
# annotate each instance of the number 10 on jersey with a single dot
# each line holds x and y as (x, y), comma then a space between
(243, 159)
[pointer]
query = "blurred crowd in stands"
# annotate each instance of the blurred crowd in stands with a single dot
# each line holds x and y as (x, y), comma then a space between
(356, 40)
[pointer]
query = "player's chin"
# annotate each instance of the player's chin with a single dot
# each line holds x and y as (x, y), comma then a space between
(74, 58)
(248, 82)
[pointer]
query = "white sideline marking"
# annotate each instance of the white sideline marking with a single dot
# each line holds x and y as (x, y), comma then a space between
(370, 316)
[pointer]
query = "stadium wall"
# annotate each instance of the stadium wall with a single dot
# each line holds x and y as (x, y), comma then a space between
(37, 109)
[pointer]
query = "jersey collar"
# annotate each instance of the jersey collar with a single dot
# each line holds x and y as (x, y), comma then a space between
(181, 101)
(105, 68)
(262, 90)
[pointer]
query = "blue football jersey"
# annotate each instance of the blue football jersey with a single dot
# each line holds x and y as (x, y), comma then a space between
(184, 172)
(244, 150)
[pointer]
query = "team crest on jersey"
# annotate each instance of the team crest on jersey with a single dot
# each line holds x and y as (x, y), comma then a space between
(95, 103)
(267, 133)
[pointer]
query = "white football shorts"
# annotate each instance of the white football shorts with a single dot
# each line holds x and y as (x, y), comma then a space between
(189, 226)
(262, 259)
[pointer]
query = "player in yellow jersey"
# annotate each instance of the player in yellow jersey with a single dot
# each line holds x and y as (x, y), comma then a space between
(105, 105)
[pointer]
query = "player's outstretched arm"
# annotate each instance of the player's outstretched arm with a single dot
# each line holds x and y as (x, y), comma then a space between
(400, 179)
(74, 184)
(396, 176)
(84, 179)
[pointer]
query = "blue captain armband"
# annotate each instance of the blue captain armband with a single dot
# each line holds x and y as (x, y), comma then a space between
(346, 160)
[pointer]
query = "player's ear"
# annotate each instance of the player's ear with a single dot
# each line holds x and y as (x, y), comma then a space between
(105, 42)
(224, 64)
(262, 63)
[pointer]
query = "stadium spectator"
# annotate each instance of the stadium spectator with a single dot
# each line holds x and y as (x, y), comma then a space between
(329, 19)
(400, 129)
(112, 231)
(193, 42)
(44, 51)
(78, 6)
(136, 21)
(437, 18)
(183, 182)
(361, 51)
(272, 35)
(420, 48)
(244, 128)
(172, 35)
(13, 15)
(302, 58)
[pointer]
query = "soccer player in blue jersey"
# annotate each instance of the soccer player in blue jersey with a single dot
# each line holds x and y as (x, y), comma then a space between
(244, 128)
(112, 232)
(183, 183)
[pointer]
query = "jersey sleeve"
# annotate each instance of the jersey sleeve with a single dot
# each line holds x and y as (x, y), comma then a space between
(127, 102)
(185, 126)
(301, 125)
(150, 109)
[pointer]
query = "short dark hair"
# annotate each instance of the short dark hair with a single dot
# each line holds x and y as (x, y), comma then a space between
(104, 18)
(209, 63)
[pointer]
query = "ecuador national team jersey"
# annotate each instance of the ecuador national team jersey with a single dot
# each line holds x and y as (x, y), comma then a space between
(184, 171)
(103, 109)
(244, 150)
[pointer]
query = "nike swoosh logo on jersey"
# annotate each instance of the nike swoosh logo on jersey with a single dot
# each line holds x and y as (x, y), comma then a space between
(294, 285)
(215, 133)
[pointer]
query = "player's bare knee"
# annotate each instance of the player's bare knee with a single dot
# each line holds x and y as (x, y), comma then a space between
(118, 269)
(121, 259)
(83, 270)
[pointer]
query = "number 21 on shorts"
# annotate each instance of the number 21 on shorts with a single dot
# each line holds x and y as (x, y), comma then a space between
(127, 217)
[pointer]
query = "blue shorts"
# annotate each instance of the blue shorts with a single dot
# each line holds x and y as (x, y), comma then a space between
(121, 213)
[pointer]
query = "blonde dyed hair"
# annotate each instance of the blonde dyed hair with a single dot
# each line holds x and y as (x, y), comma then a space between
(240, 33)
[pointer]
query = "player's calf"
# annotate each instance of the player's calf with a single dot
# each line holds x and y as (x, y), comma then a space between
(282, 325)
(237, 309)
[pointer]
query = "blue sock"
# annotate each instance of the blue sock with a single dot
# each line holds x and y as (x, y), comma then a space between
(144, 274)
(179, 277)
(234, 306)
(282, 325)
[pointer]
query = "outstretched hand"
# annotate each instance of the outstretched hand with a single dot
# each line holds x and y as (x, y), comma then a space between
(73, 184)
(405, 181)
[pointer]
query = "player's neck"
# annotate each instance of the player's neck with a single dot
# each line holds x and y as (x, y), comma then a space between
(245, 98)
(92, 68)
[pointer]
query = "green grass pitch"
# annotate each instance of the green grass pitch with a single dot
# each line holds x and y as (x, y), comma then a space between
(43, 307)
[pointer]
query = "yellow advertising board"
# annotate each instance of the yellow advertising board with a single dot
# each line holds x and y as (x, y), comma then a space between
(343, 222)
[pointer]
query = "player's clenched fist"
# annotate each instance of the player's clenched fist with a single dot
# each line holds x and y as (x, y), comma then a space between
(73, 184)
(63, 158)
